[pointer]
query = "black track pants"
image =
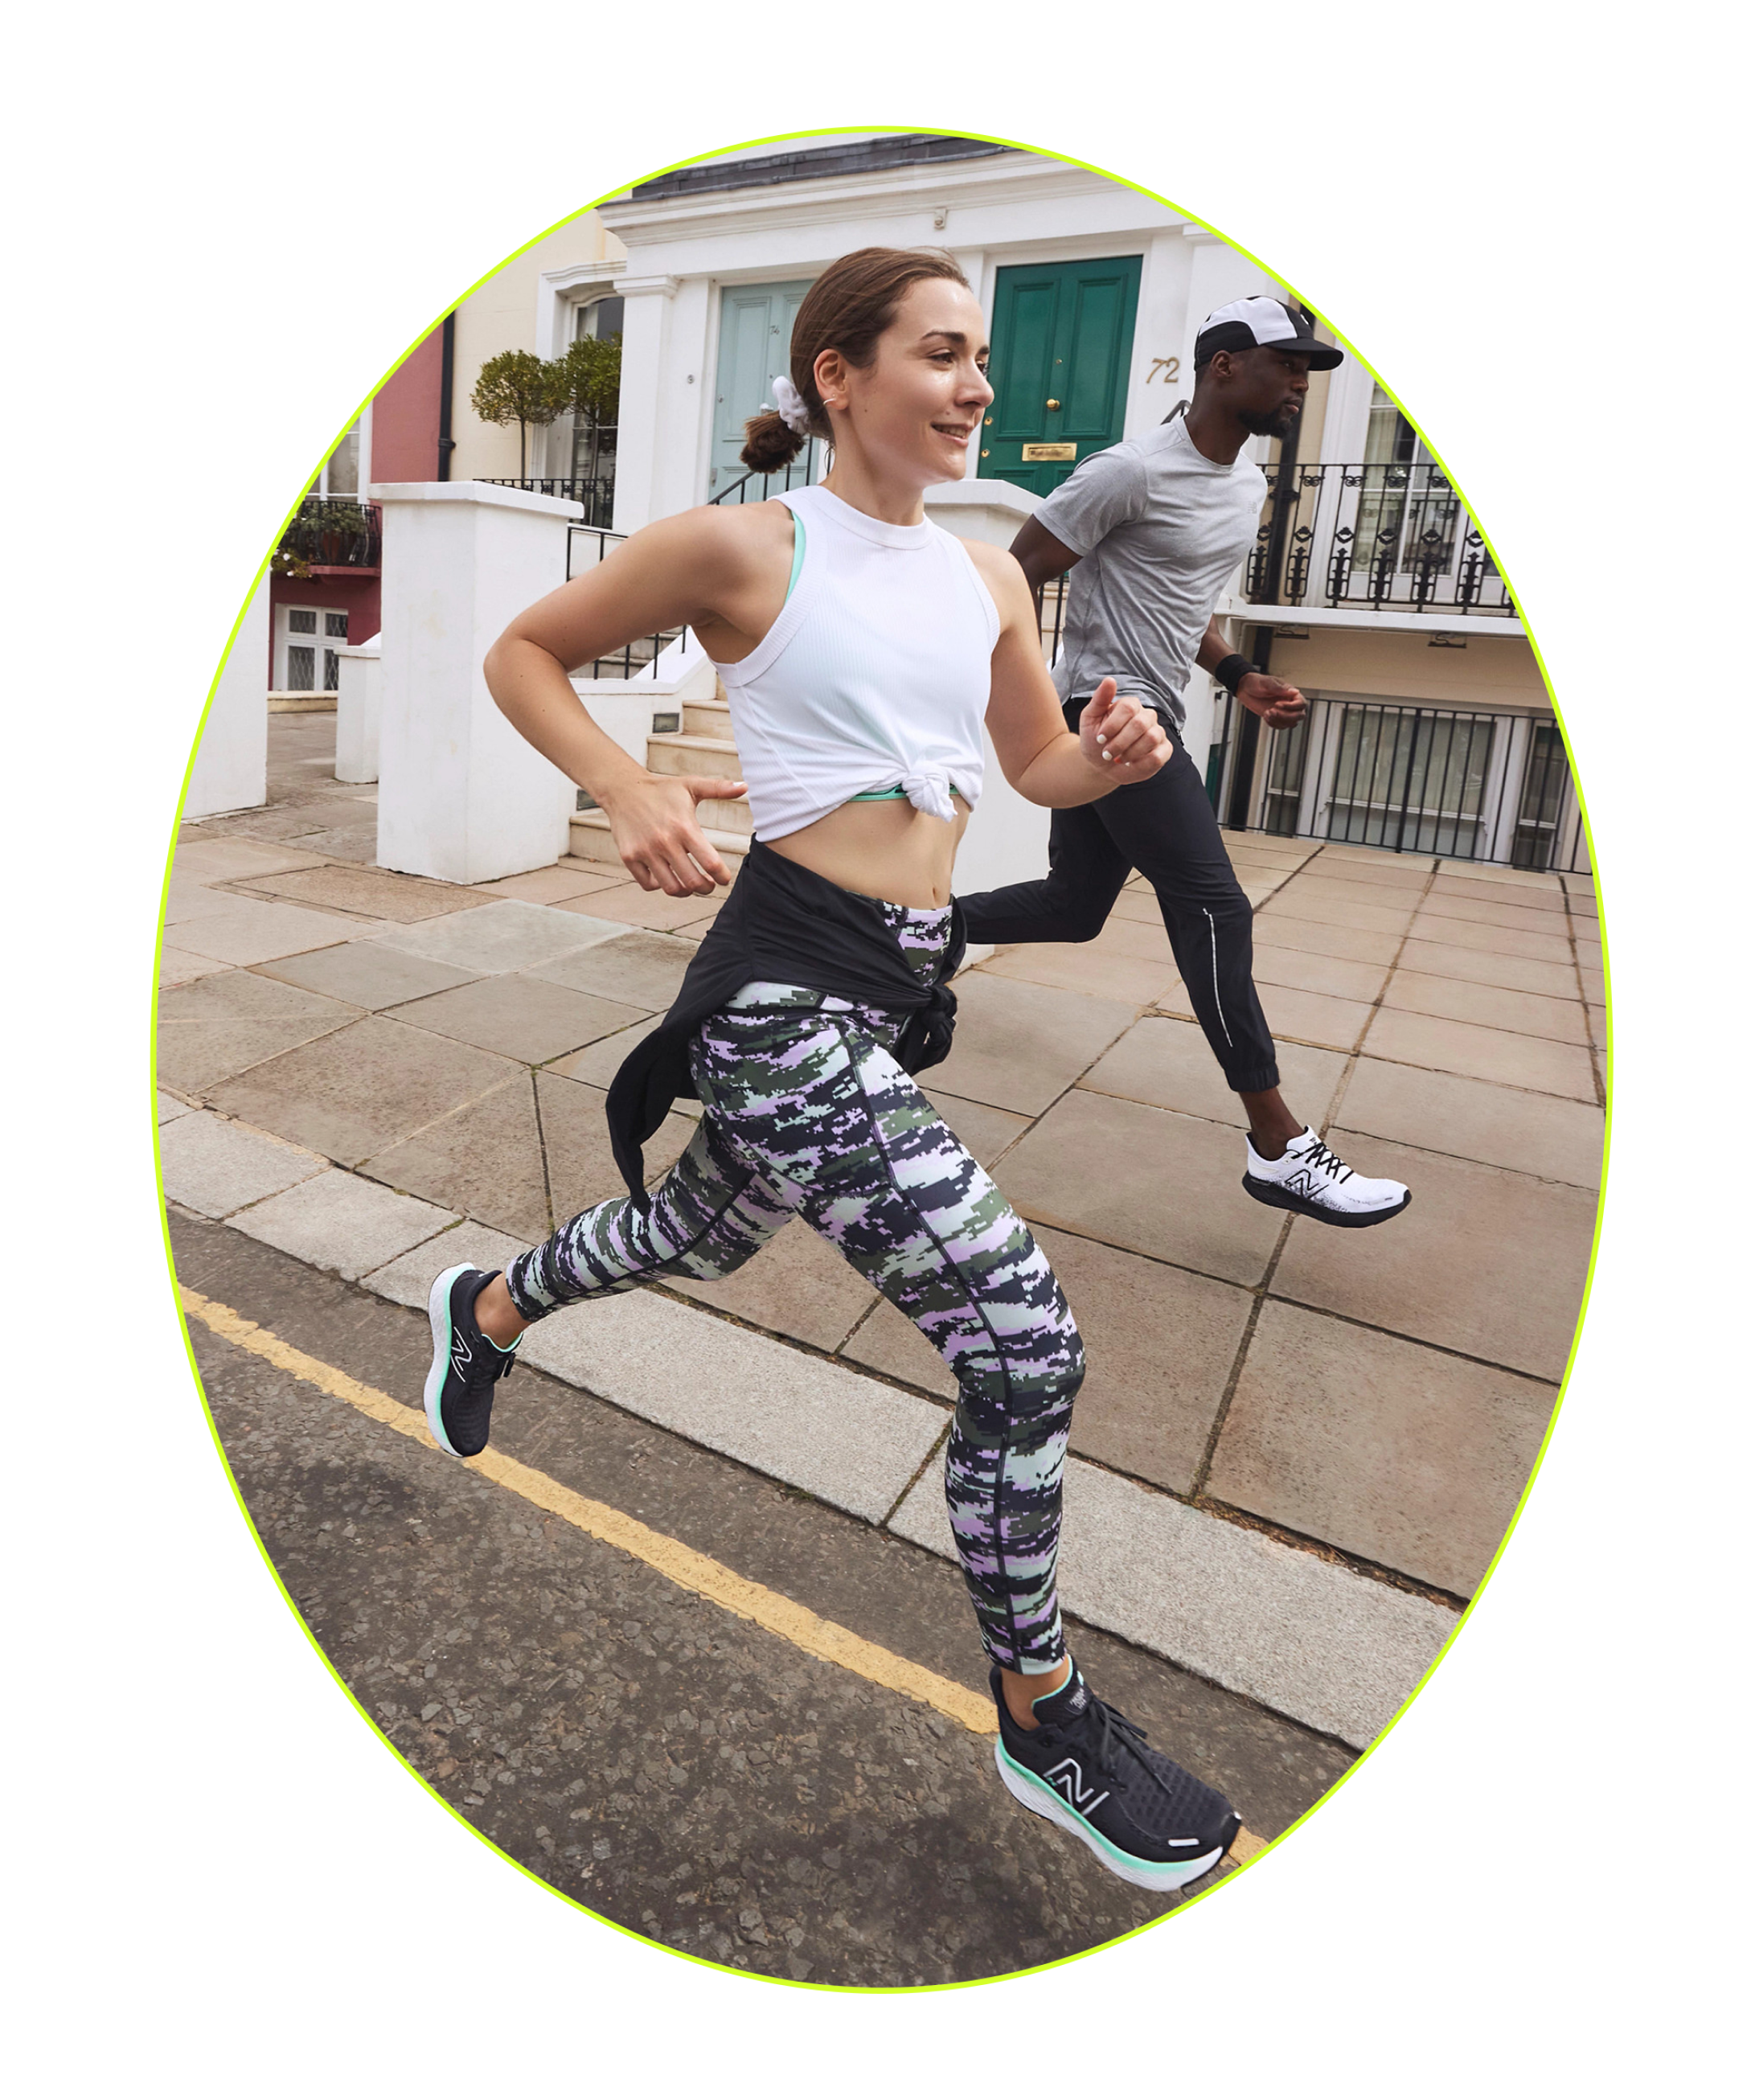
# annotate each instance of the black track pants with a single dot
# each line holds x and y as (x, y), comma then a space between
(1165, 829)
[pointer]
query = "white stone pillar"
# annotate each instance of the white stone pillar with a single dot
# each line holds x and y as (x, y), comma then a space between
(461, 795)
(358, 710)
(644, 333)
(993, 511)
(1007, 837)
(231, 762)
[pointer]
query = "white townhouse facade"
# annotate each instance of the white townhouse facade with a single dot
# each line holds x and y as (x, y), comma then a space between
(1430, 729)
(718, 256)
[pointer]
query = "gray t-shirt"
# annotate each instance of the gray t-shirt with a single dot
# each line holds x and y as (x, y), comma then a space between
(1160, 530)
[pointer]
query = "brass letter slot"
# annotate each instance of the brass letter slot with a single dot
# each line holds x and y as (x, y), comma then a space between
(1048, 453)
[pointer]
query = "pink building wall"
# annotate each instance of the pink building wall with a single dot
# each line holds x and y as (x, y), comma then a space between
(404, 417)
(404, 427)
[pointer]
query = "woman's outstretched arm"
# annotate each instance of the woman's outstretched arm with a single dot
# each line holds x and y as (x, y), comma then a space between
(1120, 740)
(683, 571)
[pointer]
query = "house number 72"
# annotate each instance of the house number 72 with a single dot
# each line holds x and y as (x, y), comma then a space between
(1168, 368)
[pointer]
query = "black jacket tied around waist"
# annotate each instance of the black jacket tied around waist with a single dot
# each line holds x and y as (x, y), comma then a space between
(781, 923)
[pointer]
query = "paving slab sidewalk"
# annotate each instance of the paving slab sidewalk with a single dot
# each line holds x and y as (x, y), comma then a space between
(1221, 1512)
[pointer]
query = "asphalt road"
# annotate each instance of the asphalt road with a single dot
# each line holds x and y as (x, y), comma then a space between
(667, 1765)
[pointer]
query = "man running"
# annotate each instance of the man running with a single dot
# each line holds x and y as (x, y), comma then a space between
(1154, 528)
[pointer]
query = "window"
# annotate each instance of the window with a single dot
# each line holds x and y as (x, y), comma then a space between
(340, 470)
(1411, 778)
(593, 445)
(305, 656)
(601, 317)
(1544, 798)
(1408, 518)
(1284, 777)
(1391, 440)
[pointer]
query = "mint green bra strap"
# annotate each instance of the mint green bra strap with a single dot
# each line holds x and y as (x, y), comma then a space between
(895, 794)
(799, 540)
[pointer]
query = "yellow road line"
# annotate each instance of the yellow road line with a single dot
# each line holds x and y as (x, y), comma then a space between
(681, 1563)
(683, 1566)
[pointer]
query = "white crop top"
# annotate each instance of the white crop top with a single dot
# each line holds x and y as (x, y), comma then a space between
(878, 670)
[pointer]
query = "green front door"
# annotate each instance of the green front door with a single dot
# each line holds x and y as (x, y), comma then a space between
(1061, 360)
(753, 347)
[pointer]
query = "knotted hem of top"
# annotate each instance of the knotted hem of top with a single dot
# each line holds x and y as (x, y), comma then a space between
(783, 924)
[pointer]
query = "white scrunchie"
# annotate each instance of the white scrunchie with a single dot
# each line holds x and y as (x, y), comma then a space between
(791, 406)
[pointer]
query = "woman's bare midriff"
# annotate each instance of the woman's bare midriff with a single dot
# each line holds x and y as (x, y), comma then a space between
(885, 849)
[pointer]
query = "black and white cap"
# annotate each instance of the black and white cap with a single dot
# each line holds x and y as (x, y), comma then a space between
(1260, 323)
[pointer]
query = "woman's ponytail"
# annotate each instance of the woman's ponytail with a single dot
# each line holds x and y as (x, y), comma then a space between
(771, 442)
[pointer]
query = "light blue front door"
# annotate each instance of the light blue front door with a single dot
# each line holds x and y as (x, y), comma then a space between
(753, 345)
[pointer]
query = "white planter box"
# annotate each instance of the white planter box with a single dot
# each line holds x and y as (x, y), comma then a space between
(359, 711)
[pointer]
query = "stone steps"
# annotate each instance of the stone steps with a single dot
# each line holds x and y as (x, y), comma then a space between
(702, 747)
(711, 757)
(735, 819)
(708, 718)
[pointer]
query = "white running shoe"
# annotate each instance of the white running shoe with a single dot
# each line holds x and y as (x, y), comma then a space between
(1312, 1179)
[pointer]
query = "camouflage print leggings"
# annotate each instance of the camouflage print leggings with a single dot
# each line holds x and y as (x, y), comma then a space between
(807, 1114)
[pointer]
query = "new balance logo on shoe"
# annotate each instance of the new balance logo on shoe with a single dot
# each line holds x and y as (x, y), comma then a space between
(460, 1355)
(1300, 1183)
(1067, 1777)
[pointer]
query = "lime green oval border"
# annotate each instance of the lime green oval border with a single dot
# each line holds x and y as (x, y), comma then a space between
(1180, 1909)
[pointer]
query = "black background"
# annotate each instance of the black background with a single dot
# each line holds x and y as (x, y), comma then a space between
(269, 1803)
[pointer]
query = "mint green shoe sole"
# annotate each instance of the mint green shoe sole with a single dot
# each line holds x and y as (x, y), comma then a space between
(438, 1305)
(1158, 1874)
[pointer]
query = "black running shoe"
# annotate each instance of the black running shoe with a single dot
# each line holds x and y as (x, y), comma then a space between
(1091, 1771)
(466, 1364)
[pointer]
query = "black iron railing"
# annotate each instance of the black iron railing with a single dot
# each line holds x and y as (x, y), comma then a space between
(1365, 538)
(1378, 537)
(585, 546)
(334, 532)
(798, 475)
(594, 491)
(1463, 785)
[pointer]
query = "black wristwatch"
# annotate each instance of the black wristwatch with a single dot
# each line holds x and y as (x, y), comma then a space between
(1231, 670)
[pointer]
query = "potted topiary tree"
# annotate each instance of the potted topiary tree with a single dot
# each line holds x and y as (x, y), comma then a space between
(518, 387)
(589, 377)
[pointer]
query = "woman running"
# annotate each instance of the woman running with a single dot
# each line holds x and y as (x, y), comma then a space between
(860, 647)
